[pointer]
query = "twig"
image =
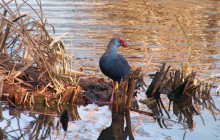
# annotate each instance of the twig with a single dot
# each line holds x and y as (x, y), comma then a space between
(23, 82)
(157, 116)
(45, 88)
(47, 102)
(151, 12)
(21, 70)
(2, 77)
(143, 112)
(11, 103)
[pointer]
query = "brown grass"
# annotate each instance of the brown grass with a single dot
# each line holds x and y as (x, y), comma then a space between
(28, 54)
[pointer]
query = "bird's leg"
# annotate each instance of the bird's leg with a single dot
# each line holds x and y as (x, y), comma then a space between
(113, 91)
(114, 86)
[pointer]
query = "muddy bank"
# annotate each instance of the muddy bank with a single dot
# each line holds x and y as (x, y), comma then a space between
(94, 89)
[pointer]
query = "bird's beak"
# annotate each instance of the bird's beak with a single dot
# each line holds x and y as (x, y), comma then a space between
(124, 44)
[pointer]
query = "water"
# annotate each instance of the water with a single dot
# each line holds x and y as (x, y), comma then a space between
(92, 24)
(87, 122)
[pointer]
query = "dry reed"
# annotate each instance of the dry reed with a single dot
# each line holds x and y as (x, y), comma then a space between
(28, 53)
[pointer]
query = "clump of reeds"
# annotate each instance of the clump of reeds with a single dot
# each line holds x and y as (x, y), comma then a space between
(176, 85)
(187, 93)
(28, 53)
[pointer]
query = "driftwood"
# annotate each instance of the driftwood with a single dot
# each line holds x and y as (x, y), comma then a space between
(155, 86)
(135, 77)
(126, 86)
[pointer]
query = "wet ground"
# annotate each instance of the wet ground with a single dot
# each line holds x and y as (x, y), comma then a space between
(150, 29)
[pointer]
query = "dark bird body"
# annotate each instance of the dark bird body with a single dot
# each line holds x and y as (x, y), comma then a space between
(113, 64)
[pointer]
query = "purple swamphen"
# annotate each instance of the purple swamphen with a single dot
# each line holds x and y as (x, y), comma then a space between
(114, 65)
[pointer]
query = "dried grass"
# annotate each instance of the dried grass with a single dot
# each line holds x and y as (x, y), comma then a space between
(25, 44)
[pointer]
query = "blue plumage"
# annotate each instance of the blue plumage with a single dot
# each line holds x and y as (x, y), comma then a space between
(113, 64)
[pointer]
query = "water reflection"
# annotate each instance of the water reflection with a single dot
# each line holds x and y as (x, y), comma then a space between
(64, 119)
(39, 128)
(19, 124)
(185, 108)
(156, 106)
(41, 125)
(117, 130)
(59, 123)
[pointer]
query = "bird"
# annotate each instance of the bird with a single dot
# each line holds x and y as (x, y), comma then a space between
(114, 65)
